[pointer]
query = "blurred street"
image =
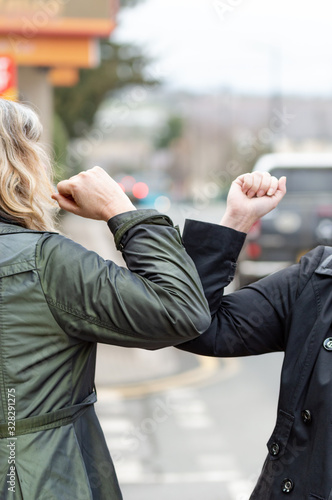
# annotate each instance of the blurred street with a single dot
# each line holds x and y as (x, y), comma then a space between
(202, 434)
(175, 100)
(181, 426)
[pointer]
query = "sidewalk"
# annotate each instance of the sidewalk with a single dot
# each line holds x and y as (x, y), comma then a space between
(118, 366)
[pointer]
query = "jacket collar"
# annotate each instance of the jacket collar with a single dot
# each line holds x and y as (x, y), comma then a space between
(10, 228)
(326, 266)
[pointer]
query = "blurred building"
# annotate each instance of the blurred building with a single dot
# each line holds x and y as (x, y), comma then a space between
(48, 41)
(222, 136)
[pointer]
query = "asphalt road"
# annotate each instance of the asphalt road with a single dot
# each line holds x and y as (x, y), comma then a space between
(202, 437)
(179, 426)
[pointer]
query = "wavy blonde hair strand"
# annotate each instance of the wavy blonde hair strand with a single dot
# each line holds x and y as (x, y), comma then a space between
(26, 176)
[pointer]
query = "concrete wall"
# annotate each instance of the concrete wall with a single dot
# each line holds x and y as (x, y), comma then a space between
(35, 90)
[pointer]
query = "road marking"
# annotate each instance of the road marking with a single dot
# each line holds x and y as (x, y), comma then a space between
(194, 421)
(240, 490)
(129, 471)
(192, 406)
(210, 461)
(112, 425)
(116, 445)
(134, 475)
(207, 369)
(190, 413)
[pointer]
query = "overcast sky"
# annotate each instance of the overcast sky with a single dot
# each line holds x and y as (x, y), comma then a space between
(240, 45)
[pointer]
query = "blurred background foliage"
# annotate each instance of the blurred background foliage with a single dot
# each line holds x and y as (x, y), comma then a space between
(172, 130)
(121, 65)
(75, 107)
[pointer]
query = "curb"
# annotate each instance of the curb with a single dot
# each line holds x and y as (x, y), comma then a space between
(207, 369)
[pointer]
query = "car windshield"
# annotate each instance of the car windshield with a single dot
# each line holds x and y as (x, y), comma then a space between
(313, 179)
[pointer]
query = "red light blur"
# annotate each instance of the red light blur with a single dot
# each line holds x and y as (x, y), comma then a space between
(253, 250)
(140, 190)
(128, 182)
(255, 230)
(324, 211)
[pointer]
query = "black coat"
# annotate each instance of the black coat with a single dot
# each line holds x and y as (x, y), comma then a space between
(288, 311)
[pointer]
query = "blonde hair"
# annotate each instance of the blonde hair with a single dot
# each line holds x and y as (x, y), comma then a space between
(25, 170)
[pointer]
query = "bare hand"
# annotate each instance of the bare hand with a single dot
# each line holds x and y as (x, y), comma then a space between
(92, 194)
(250, 197)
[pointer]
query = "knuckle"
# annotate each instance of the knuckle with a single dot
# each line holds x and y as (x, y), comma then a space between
(96, 170)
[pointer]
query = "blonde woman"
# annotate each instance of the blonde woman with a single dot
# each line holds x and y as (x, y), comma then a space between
(57, 300)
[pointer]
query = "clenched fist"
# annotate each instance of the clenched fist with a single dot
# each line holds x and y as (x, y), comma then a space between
(250, 197)
(92, 194)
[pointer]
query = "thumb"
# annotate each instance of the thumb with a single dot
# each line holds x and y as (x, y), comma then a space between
(282, 185)
(65, 202)
(281, 191)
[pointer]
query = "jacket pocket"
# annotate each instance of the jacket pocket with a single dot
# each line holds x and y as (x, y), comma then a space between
(50, 466)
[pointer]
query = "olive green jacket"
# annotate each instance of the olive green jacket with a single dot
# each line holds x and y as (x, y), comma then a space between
(57, 300)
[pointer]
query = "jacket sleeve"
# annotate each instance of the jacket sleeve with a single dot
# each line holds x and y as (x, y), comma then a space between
(254, 319)
(158, 301)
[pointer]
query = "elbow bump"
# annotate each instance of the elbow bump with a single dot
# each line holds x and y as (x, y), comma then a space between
(203, 316)
(204, 321)
(192, 320)
(200, 316)
(200, 322)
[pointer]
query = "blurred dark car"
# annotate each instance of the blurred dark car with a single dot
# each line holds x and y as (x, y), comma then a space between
(302, 220)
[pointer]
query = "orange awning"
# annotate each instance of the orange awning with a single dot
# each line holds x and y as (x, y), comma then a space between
(51, 51)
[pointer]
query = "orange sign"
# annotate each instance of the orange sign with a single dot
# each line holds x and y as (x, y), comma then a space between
(51, 51)
(63, 77)
(8, 78)
(31, 18)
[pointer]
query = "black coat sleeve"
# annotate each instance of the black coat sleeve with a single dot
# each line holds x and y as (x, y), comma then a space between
(253, 320)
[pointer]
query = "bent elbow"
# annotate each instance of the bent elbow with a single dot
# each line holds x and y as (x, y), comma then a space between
(204, 322)
(198, 320)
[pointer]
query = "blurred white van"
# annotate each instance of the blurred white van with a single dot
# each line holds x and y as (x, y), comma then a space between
(302, 220)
